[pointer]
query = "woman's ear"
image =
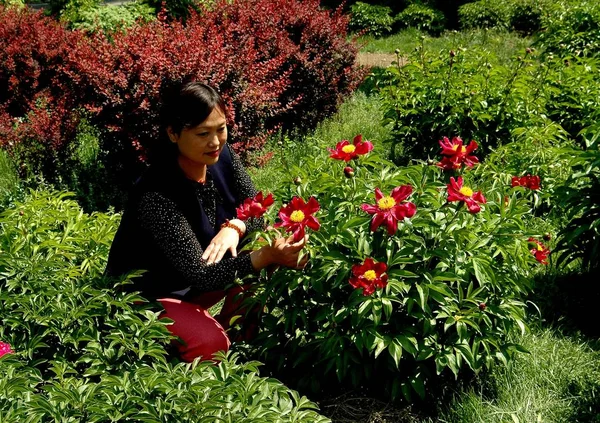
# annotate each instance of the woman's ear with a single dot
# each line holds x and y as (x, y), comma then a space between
(172, 136)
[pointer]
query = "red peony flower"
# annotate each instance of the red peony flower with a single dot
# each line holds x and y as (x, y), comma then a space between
(254, 207)
(457, 192)
(539, 251)
(457, 154)
(531, 182)
(5, 349)
(390, 209)
(297, 215)
(346, 151)
(369, 276)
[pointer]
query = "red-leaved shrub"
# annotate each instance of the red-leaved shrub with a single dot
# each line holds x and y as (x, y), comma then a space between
(280, 64)
(36, 107)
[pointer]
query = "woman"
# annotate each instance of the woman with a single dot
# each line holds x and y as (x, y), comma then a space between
(180, 226)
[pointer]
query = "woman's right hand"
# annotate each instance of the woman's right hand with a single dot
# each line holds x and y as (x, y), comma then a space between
(282, 252)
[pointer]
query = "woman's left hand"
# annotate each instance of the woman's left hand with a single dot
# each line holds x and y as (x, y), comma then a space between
(226, 240)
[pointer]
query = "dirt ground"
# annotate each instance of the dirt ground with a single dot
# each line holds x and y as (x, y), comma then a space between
(382, 60)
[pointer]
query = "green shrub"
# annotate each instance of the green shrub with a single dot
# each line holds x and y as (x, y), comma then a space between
(16, 3)
(372, 19)
(462, 91)
(455, 290)
(86, 351)
(484, 14)
(574, 94)
(112, 18)
(579, 239)
(421, 17)
(526, 15)
(9, 179)
(571, 29)
(539, 151)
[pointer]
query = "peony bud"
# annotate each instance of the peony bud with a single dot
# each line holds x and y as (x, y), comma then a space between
(547, 236)
(348, 172)
(482, 306)
(297, 180)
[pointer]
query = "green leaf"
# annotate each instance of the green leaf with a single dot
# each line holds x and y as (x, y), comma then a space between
(395, 350)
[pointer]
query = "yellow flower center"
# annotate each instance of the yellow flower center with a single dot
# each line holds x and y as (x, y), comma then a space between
(297, 216)
(386, 203)
(455, 147)
(463, 149)
(539, 247)
(370, 275)
(466, 191)
(348, 148)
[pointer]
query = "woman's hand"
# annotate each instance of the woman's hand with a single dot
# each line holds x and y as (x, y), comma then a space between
(226, 240)
(282, 252)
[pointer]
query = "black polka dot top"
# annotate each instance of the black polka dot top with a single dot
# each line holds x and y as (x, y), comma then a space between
(170, 220)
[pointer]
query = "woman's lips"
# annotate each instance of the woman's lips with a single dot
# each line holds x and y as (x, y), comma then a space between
(213, 153)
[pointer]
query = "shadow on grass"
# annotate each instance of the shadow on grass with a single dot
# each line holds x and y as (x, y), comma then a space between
(569, 301)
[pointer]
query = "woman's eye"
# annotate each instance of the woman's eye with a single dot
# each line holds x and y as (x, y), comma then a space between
(202, 134)
(222, 129)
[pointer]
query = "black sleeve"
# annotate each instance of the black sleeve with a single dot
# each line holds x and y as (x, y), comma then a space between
(245, 189)
(178, 244)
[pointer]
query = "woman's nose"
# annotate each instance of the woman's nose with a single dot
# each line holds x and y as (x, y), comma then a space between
(214, 140)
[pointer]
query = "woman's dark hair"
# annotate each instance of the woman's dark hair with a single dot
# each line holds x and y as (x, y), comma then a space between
(187, 105)
(183, 105)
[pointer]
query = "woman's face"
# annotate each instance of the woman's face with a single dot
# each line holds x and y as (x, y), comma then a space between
(202, 144)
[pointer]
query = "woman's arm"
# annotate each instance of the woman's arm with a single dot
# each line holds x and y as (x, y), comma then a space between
(178, 244)
(173, 235)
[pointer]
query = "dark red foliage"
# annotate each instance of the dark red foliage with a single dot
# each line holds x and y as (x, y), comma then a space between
(279, 64)
(37, 105)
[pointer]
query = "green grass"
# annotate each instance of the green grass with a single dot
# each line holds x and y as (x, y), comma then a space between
(559, 381)
(505, 44)
(360, 114)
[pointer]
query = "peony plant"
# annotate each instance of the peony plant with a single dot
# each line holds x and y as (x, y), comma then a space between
(426, 283)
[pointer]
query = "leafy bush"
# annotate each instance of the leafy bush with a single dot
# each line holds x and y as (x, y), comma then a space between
(9, 179)
(286, 67)
(543, 152)
(461, 91)
(455, 280)
(36, 110)
(484, 14)
(579, 239)
(523, 16)
(113, 18)
(574, 94)
(421, 17)
(526, 15)
(570, 29)
(85, 351)
(71, 10)
(372, 19)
